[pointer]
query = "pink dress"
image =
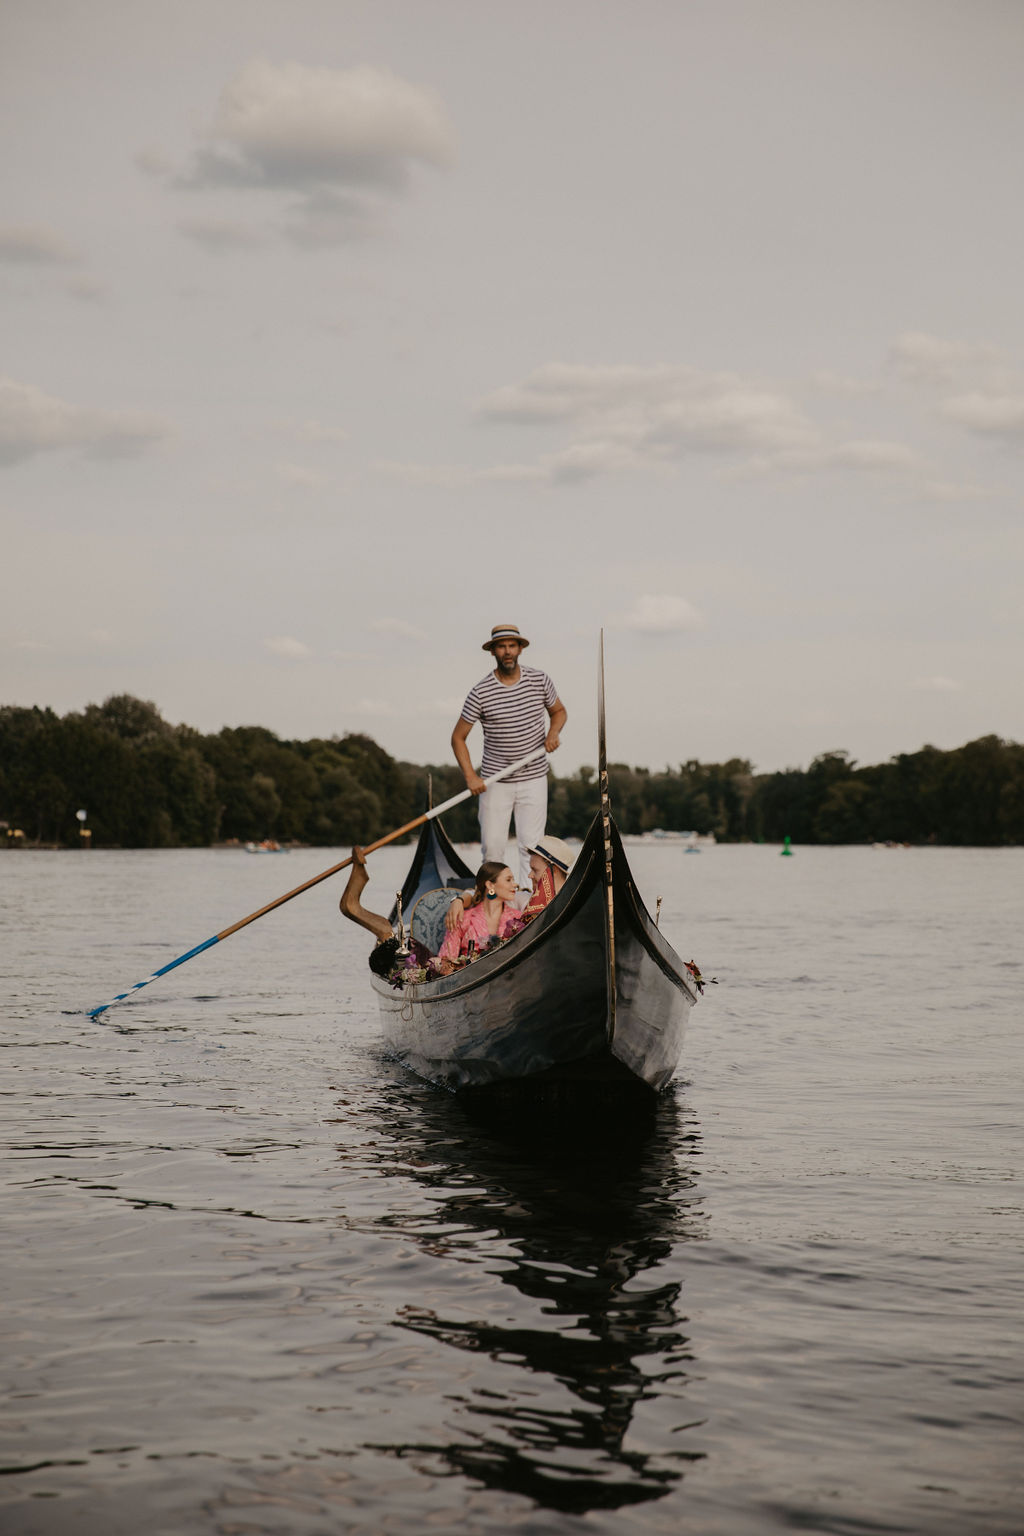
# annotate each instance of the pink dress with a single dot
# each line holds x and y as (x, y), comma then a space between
(474, 926)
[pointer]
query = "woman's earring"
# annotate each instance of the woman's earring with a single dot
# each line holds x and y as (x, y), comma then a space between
(491, 895)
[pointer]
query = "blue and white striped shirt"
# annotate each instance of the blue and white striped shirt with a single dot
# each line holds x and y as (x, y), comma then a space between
(514, 719)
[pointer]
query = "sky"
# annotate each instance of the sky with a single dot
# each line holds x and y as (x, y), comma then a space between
(333, 333)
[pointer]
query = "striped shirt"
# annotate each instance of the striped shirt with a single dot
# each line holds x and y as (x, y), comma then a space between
(514, 720)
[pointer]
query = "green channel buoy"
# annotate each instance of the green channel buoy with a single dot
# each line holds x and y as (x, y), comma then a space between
(787, 852)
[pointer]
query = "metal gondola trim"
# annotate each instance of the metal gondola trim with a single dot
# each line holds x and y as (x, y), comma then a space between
(611, 985)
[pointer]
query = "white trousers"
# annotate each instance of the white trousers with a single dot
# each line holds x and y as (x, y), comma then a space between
(528, 802)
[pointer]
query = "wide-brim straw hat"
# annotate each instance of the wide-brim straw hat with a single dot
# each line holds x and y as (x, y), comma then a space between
(553, 851)
(503, 632)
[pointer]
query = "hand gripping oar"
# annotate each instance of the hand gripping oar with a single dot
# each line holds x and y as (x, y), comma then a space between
(227, 932)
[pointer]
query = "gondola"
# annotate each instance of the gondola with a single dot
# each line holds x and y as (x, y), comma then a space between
(588, 998)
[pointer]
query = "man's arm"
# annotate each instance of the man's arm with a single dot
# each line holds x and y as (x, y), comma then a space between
(559, 714)
(474, 782)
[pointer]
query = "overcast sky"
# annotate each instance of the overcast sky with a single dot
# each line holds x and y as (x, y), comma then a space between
(334, 333)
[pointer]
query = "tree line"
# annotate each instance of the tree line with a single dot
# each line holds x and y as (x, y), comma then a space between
(145, 783)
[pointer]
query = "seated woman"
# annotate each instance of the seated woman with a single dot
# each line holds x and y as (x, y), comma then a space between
(550, 862)
(492, 913)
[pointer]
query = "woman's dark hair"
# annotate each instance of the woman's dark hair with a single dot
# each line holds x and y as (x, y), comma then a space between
(485, 876)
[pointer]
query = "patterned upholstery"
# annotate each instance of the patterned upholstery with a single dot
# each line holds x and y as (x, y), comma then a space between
(427, 921)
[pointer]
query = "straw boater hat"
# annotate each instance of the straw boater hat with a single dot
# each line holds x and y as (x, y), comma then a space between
(554, 851)
(503, 632)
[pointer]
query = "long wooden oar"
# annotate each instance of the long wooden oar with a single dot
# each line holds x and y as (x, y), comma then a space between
(226, 933)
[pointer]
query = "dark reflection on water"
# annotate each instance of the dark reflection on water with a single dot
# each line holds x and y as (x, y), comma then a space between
(218, 1322)
(580, 1216)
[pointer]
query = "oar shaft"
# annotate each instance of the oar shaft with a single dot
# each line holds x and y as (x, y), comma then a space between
(188, 955)
(503, 773)
(391, 837)
(316, 879)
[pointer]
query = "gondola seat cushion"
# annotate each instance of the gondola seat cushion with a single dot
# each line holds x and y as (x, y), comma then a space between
(427, 921)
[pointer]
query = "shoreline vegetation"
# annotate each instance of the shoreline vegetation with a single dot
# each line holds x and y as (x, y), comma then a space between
(144, 783)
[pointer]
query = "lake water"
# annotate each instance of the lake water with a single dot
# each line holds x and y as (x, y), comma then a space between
(258, 1280)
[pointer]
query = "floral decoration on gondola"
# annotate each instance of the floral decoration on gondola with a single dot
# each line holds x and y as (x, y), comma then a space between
(415, 964)
(701, 982)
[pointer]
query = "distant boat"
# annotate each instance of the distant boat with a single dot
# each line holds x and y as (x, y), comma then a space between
(268, 845)
(690, 842)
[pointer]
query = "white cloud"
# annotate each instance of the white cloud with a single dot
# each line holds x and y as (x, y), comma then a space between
(398, 627)
(511, 474)
(621, 419)
(299, 476)
(871, 453)
(292, 126)
(938, 684)
(32, 422)
(925, 359)
(865, 454)
(153, 162)
(446, 477)
(34, 245)
(728, 416)
(661, 614)
(455, 477)
(626, 415)
(585, 461)
(219, 234)
(374, 707)
(324, 219)
(313, 431)
(624, 418)
(953, 490)
(287, 647)
(990, 415)
(841, 384)
(89, 290)
(573, 392)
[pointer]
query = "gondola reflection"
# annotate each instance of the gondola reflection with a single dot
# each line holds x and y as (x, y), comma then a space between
(571, 1224)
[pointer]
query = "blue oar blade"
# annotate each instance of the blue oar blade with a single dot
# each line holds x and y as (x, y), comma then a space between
(95, 1012)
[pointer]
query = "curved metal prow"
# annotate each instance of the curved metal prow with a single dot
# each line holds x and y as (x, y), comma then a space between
(403, 948)
(606, 828)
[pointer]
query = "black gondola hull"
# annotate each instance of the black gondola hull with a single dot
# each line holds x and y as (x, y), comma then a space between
(538, 1009)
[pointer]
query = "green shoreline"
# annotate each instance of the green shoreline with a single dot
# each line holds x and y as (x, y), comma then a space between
(144, 783)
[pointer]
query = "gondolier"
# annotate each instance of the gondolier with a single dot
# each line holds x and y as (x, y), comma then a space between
(518, 708)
